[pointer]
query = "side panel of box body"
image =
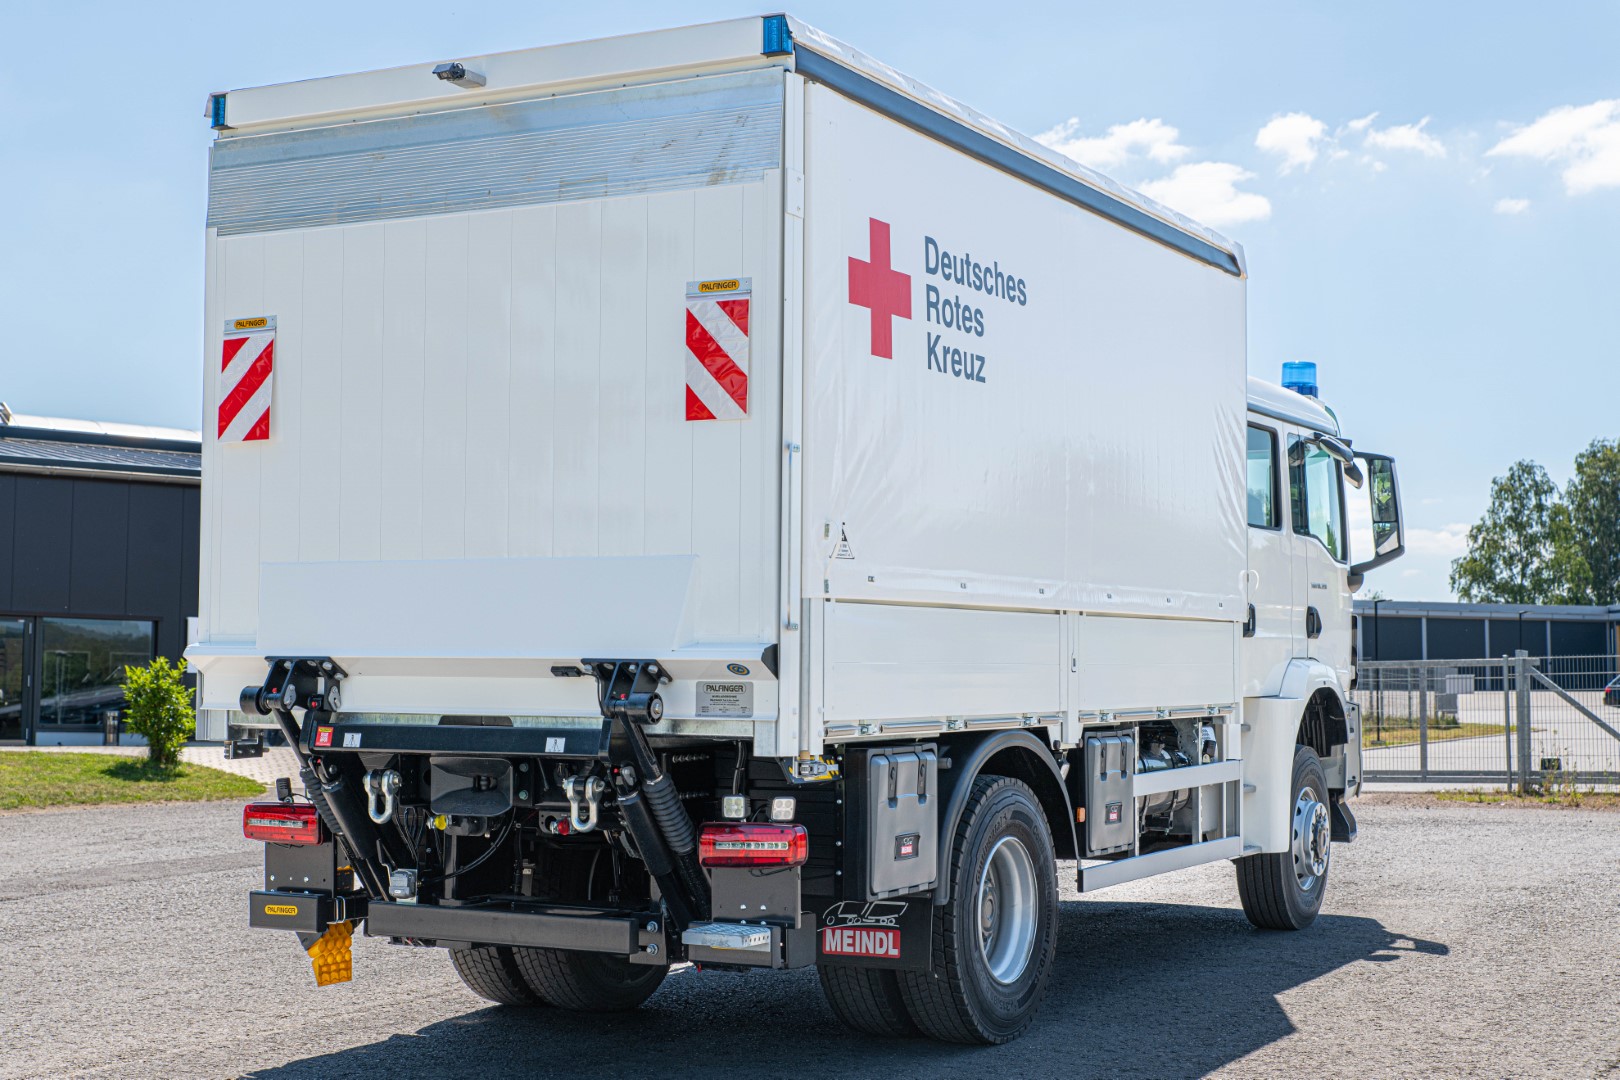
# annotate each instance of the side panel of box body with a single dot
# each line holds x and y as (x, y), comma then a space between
(1015, 410)
(485, 411)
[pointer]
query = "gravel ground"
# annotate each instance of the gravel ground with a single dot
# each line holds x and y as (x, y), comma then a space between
(1457, 941)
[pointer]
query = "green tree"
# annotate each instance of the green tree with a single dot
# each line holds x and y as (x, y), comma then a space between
(1593, 498)
(160, 709)
(1524, 550)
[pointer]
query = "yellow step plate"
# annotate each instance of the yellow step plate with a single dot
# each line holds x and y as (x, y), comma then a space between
(333, 954)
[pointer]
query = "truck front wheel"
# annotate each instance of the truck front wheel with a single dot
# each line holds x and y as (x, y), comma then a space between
(588, 982)
(994, 942)
(1283, 890)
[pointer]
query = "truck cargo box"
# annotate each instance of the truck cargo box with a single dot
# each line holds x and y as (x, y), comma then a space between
(859, 412)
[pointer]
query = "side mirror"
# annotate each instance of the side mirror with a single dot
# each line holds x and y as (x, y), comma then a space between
(1384, 494)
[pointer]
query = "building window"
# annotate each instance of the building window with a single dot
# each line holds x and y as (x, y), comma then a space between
(1262, 474)
(83, 664)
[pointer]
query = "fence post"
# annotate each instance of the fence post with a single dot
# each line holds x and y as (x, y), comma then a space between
(1378, 714)
(1507, 727)
(1423, 723)
(1521, 710)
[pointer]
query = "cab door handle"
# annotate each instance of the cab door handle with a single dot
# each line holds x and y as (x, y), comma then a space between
(1249, 623)
(1313, 623)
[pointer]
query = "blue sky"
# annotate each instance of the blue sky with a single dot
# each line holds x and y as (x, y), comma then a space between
(1431, 214)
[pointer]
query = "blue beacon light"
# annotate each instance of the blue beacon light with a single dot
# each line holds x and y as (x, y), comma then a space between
(1300, 377)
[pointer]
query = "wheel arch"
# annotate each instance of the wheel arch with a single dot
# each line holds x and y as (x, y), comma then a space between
(1018, 754)
(1323, 722)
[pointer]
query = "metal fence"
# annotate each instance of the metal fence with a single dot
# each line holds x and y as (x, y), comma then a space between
(1531, 723)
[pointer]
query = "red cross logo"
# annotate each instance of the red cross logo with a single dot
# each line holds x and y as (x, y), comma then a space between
(882, 289)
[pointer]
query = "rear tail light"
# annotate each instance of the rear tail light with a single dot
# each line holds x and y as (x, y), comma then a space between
(737, 843)
(282, 823)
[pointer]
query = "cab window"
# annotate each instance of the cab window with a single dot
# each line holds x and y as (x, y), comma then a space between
(1315, 495)
(1262, 474)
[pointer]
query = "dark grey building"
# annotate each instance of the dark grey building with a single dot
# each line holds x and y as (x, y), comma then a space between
(1432, 630)
(98, 567)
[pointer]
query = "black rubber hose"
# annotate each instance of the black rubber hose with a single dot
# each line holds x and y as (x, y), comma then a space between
(676, 824)
(333, 803)
(665, 800)
(355, 833)
(638, 821)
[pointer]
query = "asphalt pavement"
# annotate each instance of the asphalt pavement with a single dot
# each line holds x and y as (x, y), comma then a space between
(1456, 941)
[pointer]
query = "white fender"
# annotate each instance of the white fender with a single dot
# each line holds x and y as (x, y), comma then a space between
(1268, 753)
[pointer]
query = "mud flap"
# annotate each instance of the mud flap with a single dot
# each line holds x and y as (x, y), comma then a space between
(1344, 823)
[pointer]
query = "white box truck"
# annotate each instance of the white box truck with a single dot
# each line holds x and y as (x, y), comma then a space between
(703, 496)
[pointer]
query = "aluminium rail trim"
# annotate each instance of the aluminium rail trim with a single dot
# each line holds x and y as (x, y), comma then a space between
(897, 106)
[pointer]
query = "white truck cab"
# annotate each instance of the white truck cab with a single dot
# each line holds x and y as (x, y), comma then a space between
(1297, 653)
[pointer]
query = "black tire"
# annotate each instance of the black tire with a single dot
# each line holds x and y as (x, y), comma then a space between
(868, 1000)
(588, 982)
(960, 1000)
(491, 972)
(1276, 894)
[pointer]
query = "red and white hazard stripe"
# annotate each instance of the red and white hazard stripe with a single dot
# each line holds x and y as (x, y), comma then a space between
(716, 359)
(244, 386)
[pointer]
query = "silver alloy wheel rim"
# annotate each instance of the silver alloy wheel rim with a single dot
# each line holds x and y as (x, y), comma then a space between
(1007, 908)
(1313, 836)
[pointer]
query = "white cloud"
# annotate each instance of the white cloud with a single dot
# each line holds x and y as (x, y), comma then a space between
(1153, 139)
(1362, 123)
(1584, 138)
(1405, 137)
(1207, 191)
(1511, 206)
(1295, 136)
(1448, 541)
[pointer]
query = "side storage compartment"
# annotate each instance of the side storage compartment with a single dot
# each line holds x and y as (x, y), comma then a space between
(891, 821)
(1110, 763)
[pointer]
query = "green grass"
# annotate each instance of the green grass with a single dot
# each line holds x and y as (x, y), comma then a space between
(33, 779)
(1402, 735)
(1584, 800)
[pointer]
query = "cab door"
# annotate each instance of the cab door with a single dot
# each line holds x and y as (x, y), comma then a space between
(1269, 634)
(1321, 547)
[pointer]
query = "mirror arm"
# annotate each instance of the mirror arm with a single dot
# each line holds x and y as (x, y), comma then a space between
(1360, 569)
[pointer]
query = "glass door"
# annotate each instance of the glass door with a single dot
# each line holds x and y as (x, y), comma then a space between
(14, 679)
(82, 673)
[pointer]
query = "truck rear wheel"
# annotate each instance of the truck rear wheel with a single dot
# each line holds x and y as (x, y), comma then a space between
(491, 972)
(1283, 890)
(994, 942)
(588, 982)
(868, 1000)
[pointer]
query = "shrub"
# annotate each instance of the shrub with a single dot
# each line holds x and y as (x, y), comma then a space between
(160, 709)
